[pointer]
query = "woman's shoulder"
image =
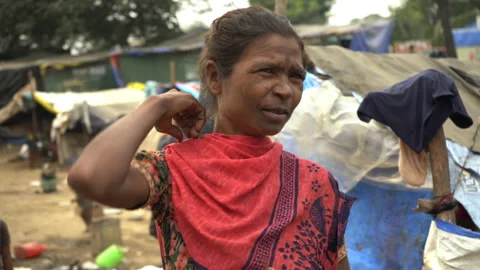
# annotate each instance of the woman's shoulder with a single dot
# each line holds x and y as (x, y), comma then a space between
(308, 165)
(151, 163)
(153, 166)
(310, 171)
(150, 155)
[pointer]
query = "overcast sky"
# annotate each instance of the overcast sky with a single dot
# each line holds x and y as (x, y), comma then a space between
(343, 11)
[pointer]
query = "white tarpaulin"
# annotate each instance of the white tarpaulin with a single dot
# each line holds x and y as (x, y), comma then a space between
(123, 99)
(106, 105)
(95, 109)
(325, 129)
(450, 247)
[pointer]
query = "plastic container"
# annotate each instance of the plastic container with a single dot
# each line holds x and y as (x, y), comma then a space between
(29, 250)
(110, 257)
(49, 178)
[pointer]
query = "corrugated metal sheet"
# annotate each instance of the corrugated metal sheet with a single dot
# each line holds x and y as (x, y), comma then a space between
(192, 40)
(67, 60)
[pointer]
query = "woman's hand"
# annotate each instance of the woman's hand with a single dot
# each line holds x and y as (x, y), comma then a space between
(183, 115)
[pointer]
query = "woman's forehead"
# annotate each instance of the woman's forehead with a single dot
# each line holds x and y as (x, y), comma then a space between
(274, 48)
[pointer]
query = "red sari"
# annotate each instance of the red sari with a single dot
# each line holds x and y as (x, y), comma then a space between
(244, 203)
(259, 206)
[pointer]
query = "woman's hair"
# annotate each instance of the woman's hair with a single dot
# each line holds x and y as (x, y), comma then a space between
(230, 35)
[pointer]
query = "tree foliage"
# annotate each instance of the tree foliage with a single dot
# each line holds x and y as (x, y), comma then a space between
(419, 19)
(91, 24)
(302, 11)
(371, 17)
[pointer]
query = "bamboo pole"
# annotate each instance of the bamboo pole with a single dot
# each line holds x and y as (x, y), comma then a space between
(440, 171)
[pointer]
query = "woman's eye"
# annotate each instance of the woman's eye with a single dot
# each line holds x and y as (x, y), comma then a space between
(298, 76)
(267, 70)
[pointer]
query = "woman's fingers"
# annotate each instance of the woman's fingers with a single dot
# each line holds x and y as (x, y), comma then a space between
(201, 119)
(175, 132)
(190, 122)
(184, 113)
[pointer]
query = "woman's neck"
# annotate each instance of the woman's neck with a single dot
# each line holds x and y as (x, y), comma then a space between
(223, 125)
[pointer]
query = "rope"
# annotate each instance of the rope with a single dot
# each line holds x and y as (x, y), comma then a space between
(460, 178)
(446, 203)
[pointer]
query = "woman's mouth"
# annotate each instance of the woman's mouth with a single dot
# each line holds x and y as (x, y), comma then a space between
(276, 114)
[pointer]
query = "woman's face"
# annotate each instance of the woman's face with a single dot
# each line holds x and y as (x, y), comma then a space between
(266, 85)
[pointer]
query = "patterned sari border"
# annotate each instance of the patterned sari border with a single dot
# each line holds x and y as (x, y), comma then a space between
(285, 210)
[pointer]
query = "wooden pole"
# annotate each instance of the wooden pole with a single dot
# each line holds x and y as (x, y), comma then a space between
(34, 113)
(32, 153)
(281, 7)
(440, 171)
(173, 75)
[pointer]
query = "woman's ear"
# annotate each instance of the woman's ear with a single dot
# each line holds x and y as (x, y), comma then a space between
(213, 78)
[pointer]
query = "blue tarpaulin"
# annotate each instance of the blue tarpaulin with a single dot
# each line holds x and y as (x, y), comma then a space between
(467, 37)
(383, 231)
(374, 39)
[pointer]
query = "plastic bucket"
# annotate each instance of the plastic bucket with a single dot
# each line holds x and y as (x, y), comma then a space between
(110, 257)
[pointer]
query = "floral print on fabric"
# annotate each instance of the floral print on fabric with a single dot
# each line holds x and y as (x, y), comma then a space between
(173, 250)
(316, 239)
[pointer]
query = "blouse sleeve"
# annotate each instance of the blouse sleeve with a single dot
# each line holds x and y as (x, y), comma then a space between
(153, 166)
(343, 203)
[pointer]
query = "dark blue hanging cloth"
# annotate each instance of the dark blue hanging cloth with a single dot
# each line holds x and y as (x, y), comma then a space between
(416, 108)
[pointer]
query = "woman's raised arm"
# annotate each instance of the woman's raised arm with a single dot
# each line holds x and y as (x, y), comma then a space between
(103, 172)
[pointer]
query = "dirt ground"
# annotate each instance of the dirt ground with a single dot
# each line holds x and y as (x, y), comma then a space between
(51, 219)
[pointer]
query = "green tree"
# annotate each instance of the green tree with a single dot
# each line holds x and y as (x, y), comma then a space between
(97, 24)
(302, 11)
(371, 17)
(420, 19)
(413, 20)
(444, 17)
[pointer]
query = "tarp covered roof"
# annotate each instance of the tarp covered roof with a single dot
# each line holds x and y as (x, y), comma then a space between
(316, 30)
(110, 103)
(467, 37)
(365, 72)
(66, 60)
(194, 39)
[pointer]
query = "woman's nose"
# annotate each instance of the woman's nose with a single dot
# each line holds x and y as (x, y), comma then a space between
(283, 89)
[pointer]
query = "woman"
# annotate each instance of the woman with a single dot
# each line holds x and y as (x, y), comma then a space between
(5, 256)
(232, 199)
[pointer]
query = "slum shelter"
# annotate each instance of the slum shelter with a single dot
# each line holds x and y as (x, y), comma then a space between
(91, 72)
(73, 117)
(383, 231)
(176, 60)
(63, 93)
(82, 115)
(171, 61)
(16, 118)
(53, 74)
(467, 42)
(364, 36)
(61, 73)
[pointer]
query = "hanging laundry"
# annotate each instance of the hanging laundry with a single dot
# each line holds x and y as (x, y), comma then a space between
(416, 108)
(413, 166)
